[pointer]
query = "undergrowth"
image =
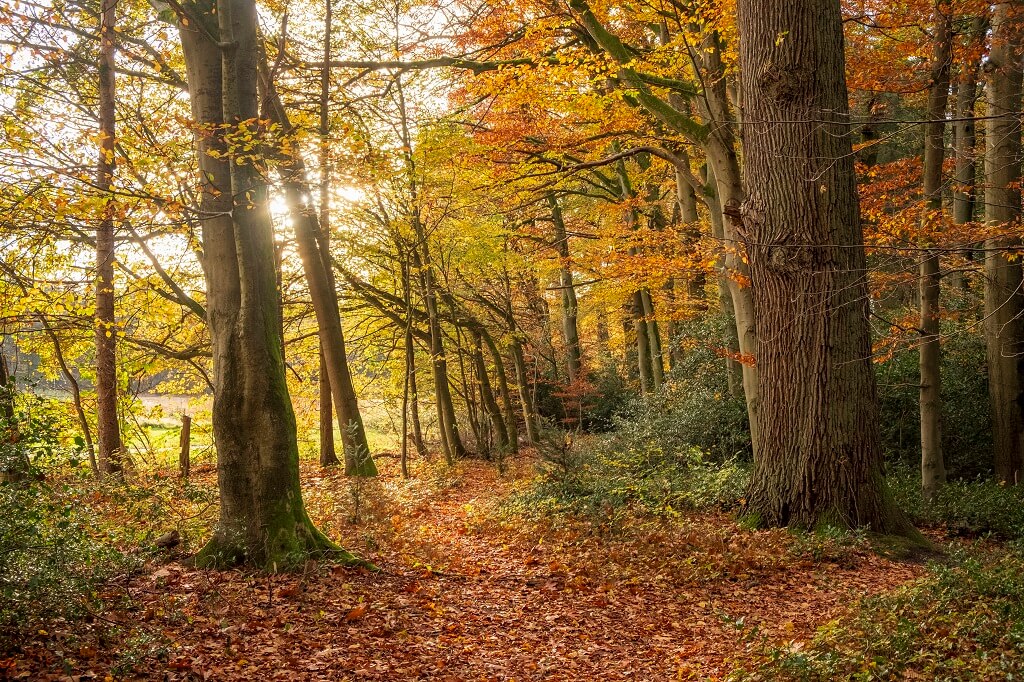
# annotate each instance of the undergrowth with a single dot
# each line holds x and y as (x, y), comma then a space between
(964, 620)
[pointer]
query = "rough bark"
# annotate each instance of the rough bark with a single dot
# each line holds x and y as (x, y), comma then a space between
(1004, 300)
(108, 430)
(819, 459)
(933, 469)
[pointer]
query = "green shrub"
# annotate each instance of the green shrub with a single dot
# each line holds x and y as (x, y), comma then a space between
(597, 474)
(963, 621)
(966, 430)
(50, 561)
(963, 507)
(694, 409)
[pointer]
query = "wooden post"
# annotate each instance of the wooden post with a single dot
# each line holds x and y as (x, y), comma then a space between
(185, 441)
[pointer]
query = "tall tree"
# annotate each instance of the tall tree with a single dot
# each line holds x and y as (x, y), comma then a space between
(312, 244)
(933, 468)
(108, 430)
(262, 517)
(570, 327)
(819, 458)
(1004, 300)
(328, 455)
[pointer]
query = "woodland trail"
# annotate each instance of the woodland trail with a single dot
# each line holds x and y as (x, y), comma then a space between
(461, 597)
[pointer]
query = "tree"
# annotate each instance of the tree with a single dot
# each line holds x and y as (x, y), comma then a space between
(933, 468)
(108, 430)
(1004, 300)
(819, 459)
(262, 518)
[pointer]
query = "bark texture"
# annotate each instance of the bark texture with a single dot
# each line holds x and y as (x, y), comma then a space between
(819, 459)
(1004, 300)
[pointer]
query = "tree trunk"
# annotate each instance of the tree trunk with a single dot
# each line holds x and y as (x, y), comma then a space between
(819, 459)
(328, 452)
(7, 393)
(76, 395)
(730, 341)
(506, 396)
(410, 365)
(965, 140)
(570, 327)
(108, 430)
(490, 403)
(727, 191)
(643, 344)
(933, 468)
(1004, 301)
(654, 339)
(530, 416)
(311, 242)
(262, 517)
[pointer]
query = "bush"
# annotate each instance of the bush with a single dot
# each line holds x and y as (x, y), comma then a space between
(963, 507)
(694, 409)
(596, 474)
(963, 621)
(50, 562)
(966, 430)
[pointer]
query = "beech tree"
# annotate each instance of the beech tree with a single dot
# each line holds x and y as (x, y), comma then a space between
(819, 459)
(262, 517)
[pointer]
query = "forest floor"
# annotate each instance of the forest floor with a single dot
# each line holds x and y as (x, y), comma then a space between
(469, 591)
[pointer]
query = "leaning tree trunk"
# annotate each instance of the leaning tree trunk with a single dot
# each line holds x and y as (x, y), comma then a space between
(311, 242)
(108, 430)
(933, 468)
(1004, 300)
(819, 459)
(262, 517)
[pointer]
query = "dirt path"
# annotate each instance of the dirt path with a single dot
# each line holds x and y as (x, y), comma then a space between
(461, 600)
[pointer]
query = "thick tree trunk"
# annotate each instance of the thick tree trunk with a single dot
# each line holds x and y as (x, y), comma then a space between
(262, 518)
(570, 327)
(933, 468)
(1004, 300)
(108, 430)
(819, 459)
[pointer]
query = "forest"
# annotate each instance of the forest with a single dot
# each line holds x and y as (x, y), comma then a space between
(520, 340)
